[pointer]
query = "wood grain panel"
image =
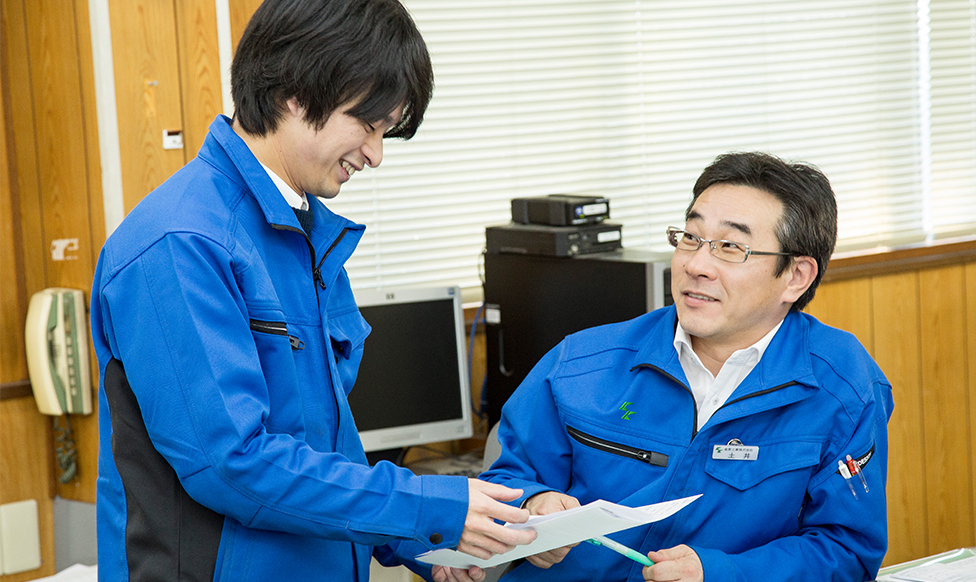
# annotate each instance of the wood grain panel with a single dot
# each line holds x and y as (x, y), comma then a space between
(896, 342)
(971, 387)
(26, 466)
(846, 305)
(147, 93)
(96, 207)
(24, 148)
(240, 13)
(201, 95)
(945, 414)
(61, 161)
(53, 39)
(85, 428)
(13, 365)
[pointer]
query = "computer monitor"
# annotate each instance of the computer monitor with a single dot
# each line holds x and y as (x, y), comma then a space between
(412, 386)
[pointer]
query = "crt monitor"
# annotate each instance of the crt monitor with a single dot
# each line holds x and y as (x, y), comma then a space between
(412, 386)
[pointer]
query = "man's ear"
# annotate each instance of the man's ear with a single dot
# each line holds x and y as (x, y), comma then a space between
(801, 273)
(295, 107)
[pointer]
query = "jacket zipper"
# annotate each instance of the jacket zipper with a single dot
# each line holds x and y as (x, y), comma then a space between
(694, 431)
(649, 457)
(277, 328)
(694, 424)
(317, 270)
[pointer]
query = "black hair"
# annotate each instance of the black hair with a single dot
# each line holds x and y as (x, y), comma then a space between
(327, 53)
(808, 226)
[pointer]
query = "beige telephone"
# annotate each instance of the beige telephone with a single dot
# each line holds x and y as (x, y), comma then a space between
(57, 351)
(57, 361)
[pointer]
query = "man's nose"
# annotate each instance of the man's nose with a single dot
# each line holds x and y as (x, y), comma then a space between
(373, 149)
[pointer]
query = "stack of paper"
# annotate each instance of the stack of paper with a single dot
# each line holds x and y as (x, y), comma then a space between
(959, 571)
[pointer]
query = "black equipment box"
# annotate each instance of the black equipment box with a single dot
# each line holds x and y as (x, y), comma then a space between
(560, 210)
(533, 302)
(554, 241)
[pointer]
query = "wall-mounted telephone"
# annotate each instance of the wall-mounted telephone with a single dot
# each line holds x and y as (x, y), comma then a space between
(57, 361)
(57, 351)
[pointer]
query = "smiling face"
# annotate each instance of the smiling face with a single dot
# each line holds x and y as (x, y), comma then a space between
(320, 161)
(729, 306)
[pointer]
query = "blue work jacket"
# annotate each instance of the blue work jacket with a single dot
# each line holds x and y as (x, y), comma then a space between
(608, 414)
(228, 339)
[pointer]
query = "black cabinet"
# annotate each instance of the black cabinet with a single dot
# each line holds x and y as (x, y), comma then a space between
(534, 301)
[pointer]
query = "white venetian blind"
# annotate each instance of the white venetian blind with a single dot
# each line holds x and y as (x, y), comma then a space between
(952, 131)
(631, 100)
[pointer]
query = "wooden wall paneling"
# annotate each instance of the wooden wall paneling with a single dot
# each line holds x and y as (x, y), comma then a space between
(13, 366)
(96, 206)
(61, 154)
(971, 385)
(946, 434)
(201, 94)
(85, 428)
(897, 352)
(240, 13)
(147, 93)
(63, 164)
(846, 305)
(26, 183)
(25, 467)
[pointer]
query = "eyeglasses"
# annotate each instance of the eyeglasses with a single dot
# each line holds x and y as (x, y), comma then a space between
(726, 250)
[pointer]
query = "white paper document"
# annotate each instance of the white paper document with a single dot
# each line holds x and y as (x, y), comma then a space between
(565, 528)
(959, 571)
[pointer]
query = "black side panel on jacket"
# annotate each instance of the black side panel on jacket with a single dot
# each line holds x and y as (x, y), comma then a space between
(168, 535)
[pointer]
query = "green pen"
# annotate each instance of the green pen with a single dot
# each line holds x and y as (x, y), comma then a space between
(621, 549)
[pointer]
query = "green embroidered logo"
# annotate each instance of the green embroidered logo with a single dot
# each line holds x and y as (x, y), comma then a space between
(627, 413)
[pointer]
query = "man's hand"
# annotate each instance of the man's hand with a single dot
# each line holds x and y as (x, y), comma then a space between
(481, 536)
(445, 574)
(680, 564)
(542, 504)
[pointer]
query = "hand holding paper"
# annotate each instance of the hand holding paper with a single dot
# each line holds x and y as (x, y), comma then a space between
(543, 504)
(564, 528)
(482, 536)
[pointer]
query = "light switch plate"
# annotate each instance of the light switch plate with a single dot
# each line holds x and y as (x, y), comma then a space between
(20, 538)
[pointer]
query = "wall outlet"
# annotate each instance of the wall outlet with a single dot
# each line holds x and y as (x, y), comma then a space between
(20, 537)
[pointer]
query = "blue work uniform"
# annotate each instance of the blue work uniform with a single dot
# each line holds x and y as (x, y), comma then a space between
(228, 339)
(608, 414)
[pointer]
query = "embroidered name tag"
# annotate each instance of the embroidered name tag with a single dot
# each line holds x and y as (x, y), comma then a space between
(735, 452)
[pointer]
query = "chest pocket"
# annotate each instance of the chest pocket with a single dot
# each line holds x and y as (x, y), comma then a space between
(774, 459)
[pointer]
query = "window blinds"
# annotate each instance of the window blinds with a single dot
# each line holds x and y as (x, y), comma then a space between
(632, 99)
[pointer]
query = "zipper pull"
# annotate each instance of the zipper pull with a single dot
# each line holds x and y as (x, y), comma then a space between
(317, 277)
(296, 344)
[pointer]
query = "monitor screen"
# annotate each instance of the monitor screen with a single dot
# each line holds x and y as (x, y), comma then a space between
(412, 386)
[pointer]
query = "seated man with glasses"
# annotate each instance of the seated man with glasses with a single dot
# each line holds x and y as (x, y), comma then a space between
(732, 392)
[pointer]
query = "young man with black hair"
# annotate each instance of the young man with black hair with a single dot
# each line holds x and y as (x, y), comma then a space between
(228, 336)
(732, 392)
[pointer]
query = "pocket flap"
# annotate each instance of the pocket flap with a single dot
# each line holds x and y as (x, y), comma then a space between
(773, 459)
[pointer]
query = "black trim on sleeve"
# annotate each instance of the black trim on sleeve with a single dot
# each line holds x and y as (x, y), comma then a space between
(168, 535)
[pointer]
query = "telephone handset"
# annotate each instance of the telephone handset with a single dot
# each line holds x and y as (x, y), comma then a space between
(57, 361)
(57, 351)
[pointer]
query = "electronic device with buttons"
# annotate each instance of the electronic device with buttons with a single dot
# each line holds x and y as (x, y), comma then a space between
(554, 241)
(560, 210)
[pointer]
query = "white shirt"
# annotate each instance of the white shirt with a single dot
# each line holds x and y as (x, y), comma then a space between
(711, 392)
(294, 199)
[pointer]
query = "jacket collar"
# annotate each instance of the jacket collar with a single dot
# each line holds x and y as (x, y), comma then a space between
(786, 361)
(223, 142)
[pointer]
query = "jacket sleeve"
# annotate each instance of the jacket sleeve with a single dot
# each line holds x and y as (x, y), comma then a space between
(175, 317)
(839, 537)
(536, 455)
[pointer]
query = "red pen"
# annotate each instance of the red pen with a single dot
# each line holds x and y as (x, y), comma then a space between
(856, 470)
(846, 474)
